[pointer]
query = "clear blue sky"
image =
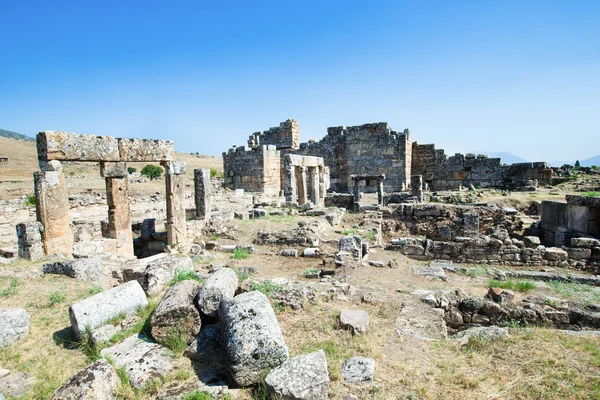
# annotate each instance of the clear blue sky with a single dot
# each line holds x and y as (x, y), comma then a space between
(520, 76)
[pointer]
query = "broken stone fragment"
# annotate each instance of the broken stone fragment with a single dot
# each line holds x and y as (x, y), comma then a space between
(141, 359)
(252, 337)
(303, 377)
(83, 269)
(14, 326)
(220, 285)
(99, 381)
(176, 314)
(358, 369)
(94, 311)
(356, 321)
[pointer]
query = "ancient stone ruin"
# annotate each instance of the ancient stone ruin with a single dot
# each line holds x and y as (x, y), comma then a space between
(113, 154)
(370, 149)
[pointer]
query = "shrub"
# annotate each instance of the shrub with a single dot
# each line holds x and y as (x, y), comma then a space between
(215, 173)
(519, 286)
(152, 171)
(591, 194)
(240, 254)
(30, 200)
(131, 170)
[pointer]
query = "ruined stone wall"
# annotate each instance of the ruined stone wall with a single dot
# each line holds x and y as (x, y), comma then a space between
(560, 222)
(369, 149)
(285, 136)
(254, 170)
(332, 148)
(441, 172)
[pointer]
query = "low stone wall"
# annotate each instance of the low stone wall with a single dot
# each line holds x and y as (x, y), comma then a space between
(493, 250)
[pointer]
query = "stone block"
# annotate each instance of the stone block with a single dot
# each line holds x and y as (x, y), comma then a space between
(94, 311)
(356, 321)
(358, 369)
(555, 254)
(136, 150)
(220, 286)
(303, 377)
(252, 337)
(69, 146)
(98, 381)
(113, 169)
(83, 269)
(174, 167)
(29, 238)
(14, 326)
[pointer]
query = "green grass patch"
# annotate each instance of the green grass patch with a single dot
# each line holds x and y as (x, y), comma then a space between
(141, 326)
(267, 288)
(181, 276)
(474, 272)
(309, 271)
(240, 254)
(347, 232)
(30, 200)
(371, 235)
(581, 293)
(242, 276)
(55, 297)
(591, 194)
(518, 286)
(12, 289)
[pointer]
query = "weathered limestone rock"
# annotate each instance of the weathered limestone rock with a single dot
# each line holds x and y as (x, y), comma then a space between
(532, 242)
(585, 242)
(358, 369)
(352, 245)
(203, 193)
(433, 270)
(220, 285)
(206, 345)
(16, 384)
(289, 253)
(98, 381)
(252, 337)
(94, 311)
(29, 235)
(176, 313)
(300, 378)
(14, 326)
(83, 269)
(142, 360)
(357, 321)
(490, 333)
(555, 254)
(421, 322)
(52, 207)
(159, 272)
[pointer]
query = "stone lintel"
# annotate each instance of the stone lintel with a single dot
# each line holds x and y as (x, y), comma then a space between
(364, 177)
(113, 169)
(174, 167)
(69, 146)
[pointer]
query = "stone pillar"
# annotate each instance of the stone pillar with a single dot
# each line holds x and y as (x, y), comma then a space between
(203, 193)
(356, 191)
(314, 184)
(119, 209)
(29, 235)
(175, 191)
(52, 208)
(302, 195)
(380, 192)
(290, 184)
(417, 187)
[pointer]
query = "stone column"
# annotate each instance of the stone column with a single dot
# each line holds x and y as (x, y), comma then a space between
(380, 192)
(291, 184)
(29, 235)
(356, 191)
(314, 184)
(203, 193)
(119, 209)
(52, 208)
(175, 192)
(417, 187)
(302, 195)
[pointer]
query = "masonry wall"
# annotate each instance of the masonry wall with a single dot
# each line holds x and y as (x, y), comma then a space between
(441, 172)
(254, 170)
(284, 136)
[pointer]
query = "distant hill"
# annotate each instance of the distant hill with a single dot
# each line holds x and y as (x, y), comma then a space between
(15, 135)
(590, 161)
(507, 158)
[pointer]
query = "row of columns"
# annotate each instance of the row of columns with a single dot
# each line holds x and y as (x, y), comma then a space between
(358, 178)
(52, 205)
(305, 183)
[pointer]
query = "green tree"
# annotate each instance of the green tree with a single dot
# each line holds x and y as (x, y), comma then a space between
(131, 170)
(577, 165)
(152, 171)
